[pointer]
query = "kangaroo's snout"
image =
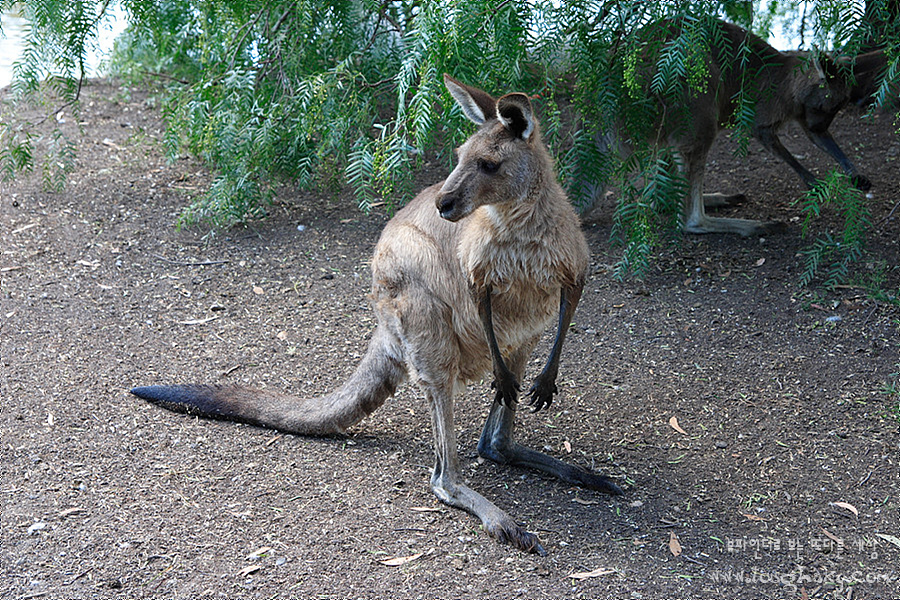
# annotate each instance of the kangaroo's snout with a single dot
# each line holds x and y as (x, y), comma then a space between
(448, 205)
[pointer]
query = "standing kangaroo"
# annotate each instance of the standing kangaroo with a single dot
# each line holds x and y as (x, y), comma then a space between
(786, 86)
(465, 279)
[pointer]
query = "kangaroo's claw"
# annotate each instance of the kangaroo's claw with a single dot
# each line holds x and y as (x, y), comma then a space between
(507, 390)
(541, 394)
(515, 536)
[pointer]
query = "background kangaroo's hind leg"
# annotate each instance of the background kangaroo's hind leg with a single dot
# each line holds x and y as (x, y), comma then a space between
(716, 200)
(697, 221)
(497, 443)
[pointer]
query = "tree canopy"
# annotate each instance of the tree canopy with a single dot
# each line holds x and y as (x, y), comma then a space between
(348, 92)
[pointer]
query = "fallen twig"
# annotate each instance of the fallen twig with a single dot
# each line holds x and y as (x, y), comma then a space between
(200, 263)
(79, 576)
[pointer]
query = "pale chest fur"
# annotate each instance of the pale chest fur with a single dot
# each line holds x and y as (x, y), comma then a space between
(525, 269)
(541, 253)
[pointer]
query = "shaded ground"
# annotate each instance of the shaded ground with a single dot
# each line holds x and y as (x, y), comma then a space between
(779, 393)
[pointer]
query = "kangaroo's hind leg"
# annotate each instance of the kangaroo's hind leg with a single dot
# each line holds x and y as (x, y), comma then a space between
(447, 484)
(433, 360)
(497, 443)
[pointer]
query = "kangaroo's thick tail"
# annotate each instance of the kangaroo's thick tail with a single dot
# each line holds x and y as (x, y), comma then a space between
(375, 379)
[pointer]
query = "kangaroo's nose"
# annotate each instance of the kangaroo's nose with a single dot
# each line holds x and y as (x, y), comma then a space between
(446, 204)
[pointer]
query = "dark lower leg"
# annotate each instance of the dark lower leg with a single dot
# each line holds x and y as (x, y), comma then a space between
(497, 444)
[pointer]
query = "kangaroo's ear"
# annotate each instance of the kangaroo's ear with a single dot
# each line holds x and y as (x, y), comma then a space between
(827, 68)
(515, 112)
(477, 105)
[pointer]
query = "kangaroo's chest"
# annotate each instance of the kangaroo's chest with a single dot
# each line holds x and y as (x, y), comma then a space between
(523, 279)
(520, 313)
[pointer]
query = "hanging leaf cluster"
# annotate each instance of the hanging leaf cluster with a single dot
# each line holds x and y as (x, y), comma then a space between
(347, 94)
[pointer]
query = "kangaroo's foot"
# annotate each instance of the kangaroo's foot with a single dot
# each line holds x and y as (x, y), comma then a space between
(446, 481)
(496, 444)
(717, 200)
(516, 455)
(496, 522)
(743, 227)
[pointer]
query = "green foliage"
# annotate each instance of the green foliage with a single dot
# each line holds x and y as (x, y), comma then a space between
(892, 388)
(15, 151)
(830, 257)
(649, 207)
(267, 91)
(349, 92)
(52, 68)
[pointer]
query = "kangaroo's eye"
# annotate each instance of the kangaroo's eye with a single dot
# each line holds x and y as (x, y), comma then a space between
(488, 166)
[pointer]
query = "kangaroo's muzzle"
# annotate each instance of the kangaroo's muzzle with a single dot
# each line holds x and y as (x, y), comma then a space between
(450, 206)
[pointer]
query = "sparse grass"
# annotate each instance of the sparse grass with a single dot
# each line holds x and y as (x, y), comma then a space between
(874, 281)
(892, 389)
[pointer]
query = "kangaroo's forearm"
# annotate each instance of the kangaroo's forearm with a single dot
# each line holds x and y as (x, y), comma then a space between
(544, 387)
(504, 381)
(568, 301)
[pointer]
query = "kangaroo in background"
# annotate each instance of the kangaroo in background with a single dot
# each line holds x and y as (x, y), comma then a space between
(465, 278)
(787, 86)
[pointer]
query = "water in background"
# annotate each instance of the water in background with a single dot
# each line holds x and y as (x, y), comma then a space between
(12, 40)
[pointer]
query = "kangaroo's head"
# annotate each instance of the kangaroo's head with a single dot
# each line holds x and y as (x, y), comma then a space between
(499, 163)
(826, 90)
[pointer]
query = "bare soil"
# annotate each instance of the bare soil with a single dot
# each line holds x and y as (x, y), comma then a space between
(746, 416)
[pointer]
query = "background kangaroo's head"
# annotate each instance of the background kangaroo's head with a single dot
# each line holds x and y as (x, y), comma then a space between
(500, 162)
(823, 92)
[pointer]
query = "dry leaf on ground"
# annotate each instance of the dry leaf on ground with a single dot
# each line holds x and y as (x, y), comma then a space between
(889, 538)
(674, 544)
(248, 570)
(847, 506)
(259, 552)
(400, 560)
(595, 573)
(750, 517)
(673, 422)
(197, 321)
(831, 536)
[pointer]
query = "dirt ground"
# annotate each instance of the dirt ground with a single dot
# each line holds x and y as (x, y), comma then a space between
(746, 417)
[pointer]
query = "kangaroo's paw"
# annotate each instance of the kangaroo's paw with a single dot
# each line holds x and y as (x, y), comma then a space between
(541, 393)
(507, 389)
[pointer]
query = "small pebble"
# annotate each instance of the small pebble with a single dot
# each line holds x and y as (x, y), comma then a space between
(721, 444)
(36, 527)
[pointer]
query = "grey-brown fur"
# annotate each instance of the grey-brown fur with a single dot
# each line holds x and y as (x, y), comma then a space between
(465, 279)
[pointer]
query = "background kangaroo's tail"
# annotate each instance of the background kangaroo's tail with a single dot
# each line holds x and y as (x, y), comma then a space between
(377, 377)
